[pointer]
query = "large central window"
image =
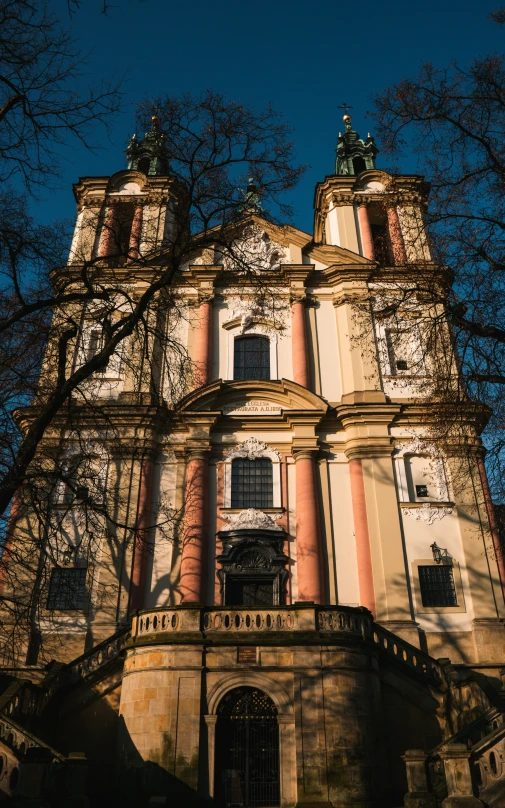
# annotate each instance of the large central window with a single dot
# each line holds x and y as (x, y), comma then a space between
(251, 358)
(252, 483)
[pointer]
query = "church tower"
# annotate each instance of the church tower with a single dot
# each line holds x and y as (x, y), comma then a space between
(328, 587)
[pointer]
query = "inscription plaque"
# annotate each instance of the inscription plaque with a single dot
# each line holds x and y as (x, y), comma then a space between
(247, 654)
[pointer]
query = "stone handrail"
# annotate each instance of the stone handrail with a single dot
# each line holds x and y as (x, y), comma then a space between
(23, 698)
(408, 654)
(97, 657)
(487, 758)
(19, 739)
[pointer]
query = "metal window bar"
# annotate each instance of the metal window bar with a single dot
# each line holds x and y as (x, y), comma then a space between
(67, 588)
(437, 585)
(247, 750)
(251, 358)
(252, 483)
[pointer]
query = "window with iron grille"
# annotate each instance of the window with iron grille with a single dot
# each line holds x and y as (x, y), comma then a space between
(67, 588)
(251, 358)
(437, 585)
(252, 483)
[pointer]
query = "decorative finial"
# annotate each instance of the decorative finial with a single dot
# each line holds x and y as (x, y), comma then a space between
(353, 154)
(149, 154)
(346, 117)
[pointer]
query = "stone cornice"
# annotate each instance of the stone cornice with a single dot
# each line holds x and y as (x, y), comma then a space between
(103, 414)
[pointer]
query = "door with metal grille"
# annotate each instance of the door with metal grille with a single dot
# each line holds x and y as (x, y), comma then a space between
(247, 750)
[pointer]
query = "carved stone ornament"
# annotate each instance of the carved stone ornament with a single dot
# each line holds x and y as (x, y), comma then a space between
(256, 250)
(251, 519)
(420, 447)
(248, 311)
(417, 446)
(426, 513)
(253, 559)
(252, 449)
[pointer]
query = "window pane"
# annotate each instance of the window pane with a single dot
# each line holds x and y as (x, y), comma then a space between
(67, 589)
(437, 585)
(252, 483)
(251, 358)
(249, 592)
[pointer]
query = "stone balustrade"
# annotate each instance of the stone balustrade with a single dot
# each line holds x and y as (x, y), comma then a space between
(320, 620)
(408, 654)
(18, 739)
(100, 655)
(237, 620)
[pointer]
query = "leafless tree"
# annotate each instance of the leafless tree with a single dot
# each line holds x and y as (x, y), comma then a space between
(452, 120)
(91, 315)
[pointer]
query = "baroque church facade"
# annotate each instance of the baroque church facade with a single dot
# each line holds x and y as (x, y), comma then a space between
(331, 622)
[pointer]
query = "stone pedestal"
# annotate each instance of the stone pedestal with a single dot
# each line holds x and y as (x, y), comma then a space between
(418, 795)
(457, 774)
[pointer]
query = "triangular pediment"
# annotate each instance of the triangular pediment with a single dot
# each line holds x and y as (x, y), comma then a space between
(285, 237)
(255, 398)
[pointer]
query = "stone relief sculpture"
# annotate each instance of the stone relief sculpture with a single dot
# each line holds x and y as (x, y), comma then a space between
(251, 519)
(251, 449)
(256, 250)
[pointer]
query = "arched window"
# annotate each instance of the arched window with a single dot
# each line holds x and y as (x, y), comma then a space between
(359, 165)
(251, 358)
(252, 483)
(144, 165)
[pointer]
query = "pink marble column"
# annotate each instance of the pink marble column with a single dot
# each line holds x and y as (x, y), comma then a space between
(142, 535)
(299, 345)
(366, 233)
(364, 556)
(108, 245)
(194, 537)
(203, 343)
(308, 552)
(395, 236)
(135, 235)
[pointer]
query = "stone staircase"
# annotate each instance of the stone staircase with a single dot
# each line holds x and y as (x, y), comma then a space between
(468, 767)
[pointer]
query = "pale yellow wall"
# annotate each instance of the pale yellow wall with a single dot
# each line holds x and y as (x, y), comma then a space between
(332, 232)
(418, 538)
(329, 359)
(347, 228)
(159, 561)
(344, 543)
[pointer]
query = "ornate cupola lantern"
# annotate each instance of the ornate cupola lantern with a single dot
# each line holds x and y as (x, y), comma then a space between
(149, 155)
(353, 154)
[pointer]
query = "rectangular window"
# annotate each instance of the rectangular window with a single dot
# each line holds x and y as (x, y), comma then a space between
(437, 585)
(252, 483)
(251, 358)
(67, 588)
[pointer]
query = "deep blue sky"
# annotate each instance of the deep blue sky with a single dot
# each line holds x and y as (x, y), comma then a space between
(305, 57)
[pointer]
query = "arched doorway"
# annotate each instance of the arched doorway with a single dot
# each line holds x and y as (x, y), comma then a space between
(247, 750)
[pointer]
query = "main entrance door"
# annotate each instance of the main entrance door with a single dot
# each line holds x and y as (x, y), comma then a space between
(247, 750)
